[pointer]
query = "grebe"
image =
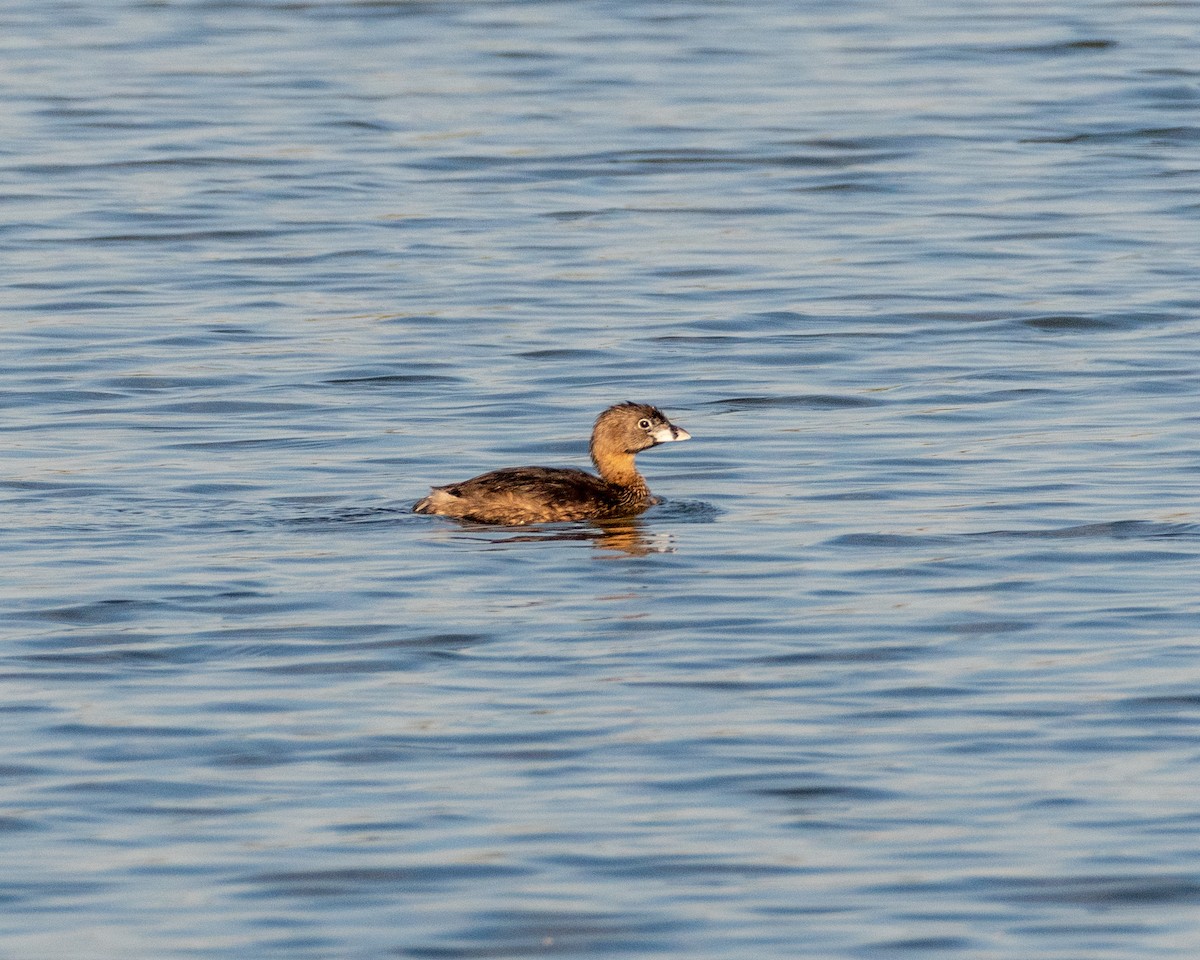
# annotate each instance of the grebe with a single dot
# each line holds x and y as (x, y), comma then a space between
(520, 495)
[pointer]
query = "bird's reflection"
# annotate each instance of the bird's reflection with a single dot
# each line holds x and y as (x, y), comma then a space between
(627, 535)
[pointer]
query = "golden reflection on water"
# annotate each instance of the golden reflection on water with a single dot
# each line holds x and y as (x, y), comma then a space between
(629, 536)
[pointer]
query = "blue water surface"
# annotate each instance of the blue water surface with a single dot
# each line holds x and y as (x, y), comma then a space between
(906, 663)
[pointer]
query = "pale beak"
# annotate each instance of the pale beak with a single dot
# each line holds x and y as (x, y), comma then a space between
(668, 433)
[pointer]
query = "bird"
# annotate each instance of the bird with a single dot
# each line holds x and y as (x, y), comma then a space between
(515, 496)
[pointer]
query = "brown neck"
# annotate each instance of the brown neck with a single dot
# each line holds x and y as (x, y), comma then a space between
(617, 467)
(620, 470)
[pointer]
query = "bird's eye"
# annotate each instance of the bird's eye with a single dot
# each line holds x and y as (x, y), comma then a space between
(644, 423)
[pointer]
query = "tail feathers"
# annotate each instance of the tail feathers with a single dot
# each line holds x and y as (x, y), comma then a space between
(438, 501)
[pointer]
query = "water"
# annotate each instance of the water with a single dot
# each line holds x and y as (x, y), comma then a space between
(904, 665)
